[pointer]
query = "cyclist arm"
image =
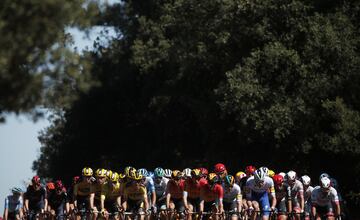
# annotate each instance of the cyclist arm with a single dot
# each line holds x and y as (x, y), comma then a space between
(153, 197)
(26, 205)
(168, 196)
(46, 204)
(92, 196)
(185, 194)
(146, 202)
(337, 209)
(239, 202)
(302, 201)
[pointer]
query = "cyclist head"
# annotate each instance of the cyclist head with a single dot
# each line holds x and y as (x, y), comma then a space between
(176, 175)
(239, 175)
(143, 172)
(59, 186)
(196, 174)
(266, 170)
(50, 186)
(16, 191)
(325, 184)
(36, 181)
(291, 177)
(87, 173)
(305, 179)
(168, 173)
(249, 170)
(114, 178)
(278, 180)
(259, 176)
(76, 179)
(187, 173)
(220, 170)
(101, 175)
(204, 172)
(271, 173)
(158, 174)
(229, 181)
(213, 179)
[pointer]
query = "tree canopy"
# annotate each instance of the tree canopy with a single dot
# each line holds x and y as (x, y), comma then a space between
(190, 83)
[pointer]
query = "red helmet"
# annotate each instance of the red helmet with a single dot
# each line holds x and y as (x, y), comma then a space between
(59, 184)
(249, 170)
(50, 186)
(204, 171)
(219, 168)
(76, 179)
(36, 180)
(278, 179)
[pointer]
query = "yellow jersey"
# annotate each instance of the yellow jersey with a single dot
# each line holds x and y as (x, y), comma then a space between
(134, 192)
(82, 189)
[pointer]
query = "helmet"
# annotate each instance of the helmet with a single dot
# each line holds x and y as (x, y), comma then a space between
(143, 172)
(305, 180)
(204, 171)
(16, 190)
(219, 168)
(266, 170)
(109, 173)
(196, 173)
(36, 180)
(249, 170)
(324, 175)
(50, 186)
(114, 177)
(176, 174)
(271, 173)
(159, 172)
(259, 175)
(239, 175)
(87, 171)
(278, 179)
(168, 173)
(325, 183)
(229, 180)
(187, 172)
(100, 173)
(213, 178)
(59, 184)
(291, 175)
(282, 174)
(136, 176)
(131, 173)
(121, 176)
(127, 170)
(76, 179)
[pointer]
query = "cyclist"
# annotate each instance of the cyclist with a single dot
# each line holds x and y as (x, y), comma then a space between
(160, 183)
(35, 198)
(211, 196)
(167, 173)
(174, 193)
(232, 197)
(70, 192)
(111, 197)
(82, 191)
(307, 194)
(240, 179)
(187, 173)
(191, 195)
(99, 187)
(135, 195)
(14, 205)
(204, 172)
(257, 188)
(150, 188)
(295, 194)
(58, 201)
(281, 195)
(324, 200)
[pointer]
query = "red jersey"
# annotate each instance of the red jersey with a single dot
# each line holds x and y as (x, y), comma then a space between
(193, 188)
(209, 194)
(175, 189)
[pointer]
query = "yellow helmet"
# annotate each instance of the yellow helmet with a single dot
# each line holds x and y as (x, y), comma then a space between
(176, 174)
(132, 173)
(127, 170)
(239, 175)
(114, 177)
(109, 174)
(121, 176)
(100, 173)
(271, 173)
(196, 173)
(211, 176)
(87, 171)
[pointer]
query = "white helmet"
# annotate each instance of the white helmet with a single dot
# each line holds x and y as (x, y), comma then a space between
(325, 183)
(259, 175)
(167, 173)
(305, 180)
(323, 175)
(282, 174)
(291, 175)
(187, 172)
(265, 169)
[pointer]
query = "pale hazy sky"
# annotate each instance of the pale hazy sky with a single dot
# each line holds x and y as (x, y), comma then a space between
(19, 145)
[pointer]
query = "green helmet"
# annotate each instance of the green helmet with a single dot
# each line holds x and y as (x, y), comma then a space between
(159, 172)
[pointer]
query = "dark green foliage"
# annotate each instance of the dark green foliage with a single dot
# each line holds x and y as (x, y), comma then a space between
(191, 83)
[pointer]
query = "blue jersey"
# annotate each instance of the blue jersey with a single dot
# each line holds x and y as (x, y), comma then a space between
(149, 183)
(14, 203)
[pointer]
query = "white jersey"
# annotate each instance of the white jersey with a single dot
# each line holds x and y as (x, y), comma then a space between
(160, 188)
(307, 194)
(234, 194)
(295, 190)
(252, 187)
(318, 197)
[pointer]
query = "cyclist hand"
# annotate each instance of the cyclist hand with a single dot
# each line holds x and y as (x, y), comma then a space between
(154, 209)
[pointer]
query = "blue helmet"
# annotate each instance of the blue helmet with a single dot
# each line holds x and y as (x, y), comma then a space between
(159, 172)
(143, 172)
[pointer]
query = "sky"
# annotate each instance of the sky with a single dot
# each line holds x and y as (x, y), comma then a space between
(19, 145)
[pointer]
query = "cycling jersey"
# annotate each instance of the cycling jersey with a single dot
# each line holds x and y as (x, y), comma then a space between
(175, 189)
(307, 194)
(14, 203)
(320, 198)
(112, 192)
(192, 189)
(99, 189)
(233, 194)
(211, 193)
(135, 192)
(160, 187)
(295, 191)
(82, 189)
(36, 197)
(55, 200)
(149, 183)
